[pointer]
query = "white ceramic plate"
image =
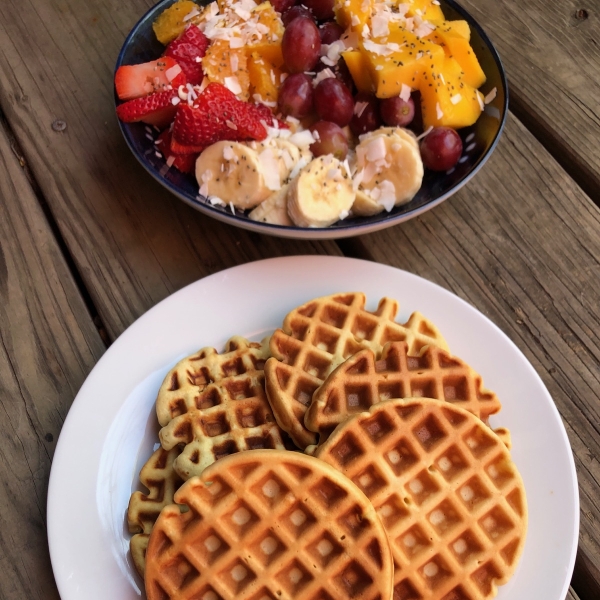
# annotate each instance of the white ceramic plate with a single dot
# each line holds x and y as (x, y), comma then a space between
(111, 427)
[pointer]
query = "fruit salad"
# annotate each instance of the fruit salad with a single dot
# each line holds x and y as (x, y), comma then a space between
(304, 114)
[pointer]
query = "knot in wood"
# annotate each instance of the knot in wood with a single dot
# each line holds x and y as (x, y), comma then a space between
(581, 14)
(59, 125)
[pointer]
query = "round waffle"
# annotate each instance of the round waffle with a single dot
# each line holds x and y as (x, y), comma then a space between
(233, 414)
(321, 334)
(273, 525)
(362, 381)
(181, 387)
(161, 480)
(450, 497)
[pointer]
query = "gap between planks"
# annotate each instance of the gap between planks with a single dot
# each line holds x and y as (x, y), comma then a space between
(37, 192)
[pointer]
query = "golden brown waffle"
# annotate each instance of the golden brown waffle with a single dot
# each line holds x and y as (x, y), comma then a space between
(180, 388)
(233, 415)
(451, 499)
(158, 476)
(362, 381)
(321, 334)
(269, 524)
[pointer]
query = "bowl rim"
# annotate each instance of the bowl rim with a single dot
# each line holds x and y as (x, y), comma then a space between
(340, 230)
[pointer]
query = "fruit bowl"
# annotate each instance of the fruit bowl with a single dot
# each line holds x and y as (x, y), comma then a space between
(479, 141)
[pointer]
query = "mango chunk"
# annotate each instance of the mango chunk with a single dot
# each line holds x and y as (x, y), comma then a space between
(357, 65)
(268, 17)
(458, 28)
(397, 59)
(460, 50)
(268, 51)
(446, 99)
(223, 64)
(426, 9)
(265, 78)
(353, 14)
(172, 21)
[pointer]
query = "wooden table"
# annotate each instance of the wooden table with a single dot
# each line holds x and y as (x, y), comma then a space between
(89, 242)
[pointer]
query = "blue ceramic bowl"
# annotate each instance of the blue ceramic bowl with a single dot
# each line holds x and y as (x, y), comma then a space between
(479, 141)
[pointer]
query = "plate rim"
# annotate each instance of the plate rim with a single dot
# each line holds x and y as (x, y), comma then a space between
(326, 262)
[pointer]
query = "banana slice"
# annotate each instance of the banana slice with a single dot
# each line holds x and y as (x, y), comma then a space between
(389, 170)
(321, 194)
(273, 209)
(232, 172)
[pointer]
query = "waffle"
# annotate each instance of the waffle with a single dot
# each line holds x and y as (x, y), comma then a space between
(180, 388)
(362, 381)
(158, 476)
(320, 335)
(234, 415)
(269, 524)
(444, 485)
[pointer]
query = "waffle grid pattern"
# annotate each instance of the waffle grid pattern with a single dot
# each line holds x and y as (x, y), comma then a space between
(179, 392)
(233, 415)
(450, 498)
(270, 525)
(159, 477)
(362, 381)
(319, 336)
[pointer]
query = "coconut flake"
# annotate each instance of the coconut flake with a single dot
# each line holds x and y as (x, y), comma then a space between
(233, 85)
(456, 99)
(172, 72)
(379, 49)
(302, 138)
(376, 150)
(405, 92)
(491, 96)
(324, 74)
(359, 108)
(270, 169)
(438, 111)
(387, 194)
(380, 25)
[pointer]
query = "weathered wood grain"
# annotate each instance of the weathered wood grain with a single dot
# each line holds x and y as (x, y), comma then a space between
(521, 243)
(551, 51)
(133, 243)
(48, 344)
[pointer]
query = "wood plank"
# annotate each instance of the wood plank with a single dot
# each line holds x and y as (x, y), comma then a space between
(133, 243)
(521, 243)
(48, 344)
(551, 51)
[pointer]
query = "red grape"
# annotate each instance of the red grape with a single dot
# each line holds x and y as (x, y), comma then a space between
(282, 6)
(332, 140)
(397, 112)
(330, 32)
(322, 9)
(296, 96)
(301, 45)
(334, 101)
(368, 119)
(441, 149)
(293, 13)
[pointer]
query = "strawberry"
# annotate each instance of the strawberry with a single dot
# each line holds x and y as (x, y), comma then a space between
(182, 162)
(135, 81)
(188, 50)
(156, 109)
(218, 115)
(177, 148)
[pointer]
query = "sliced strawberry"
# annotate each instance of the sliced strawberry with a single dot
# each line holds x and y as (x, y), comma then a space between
(218, 115)
(135, 81)
(178, 148)
(182, 162)
(156, 109)
(188, 50)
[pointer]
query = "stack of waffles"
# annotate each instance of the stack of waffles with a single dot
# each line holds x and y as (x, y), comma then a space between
(399, 487)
